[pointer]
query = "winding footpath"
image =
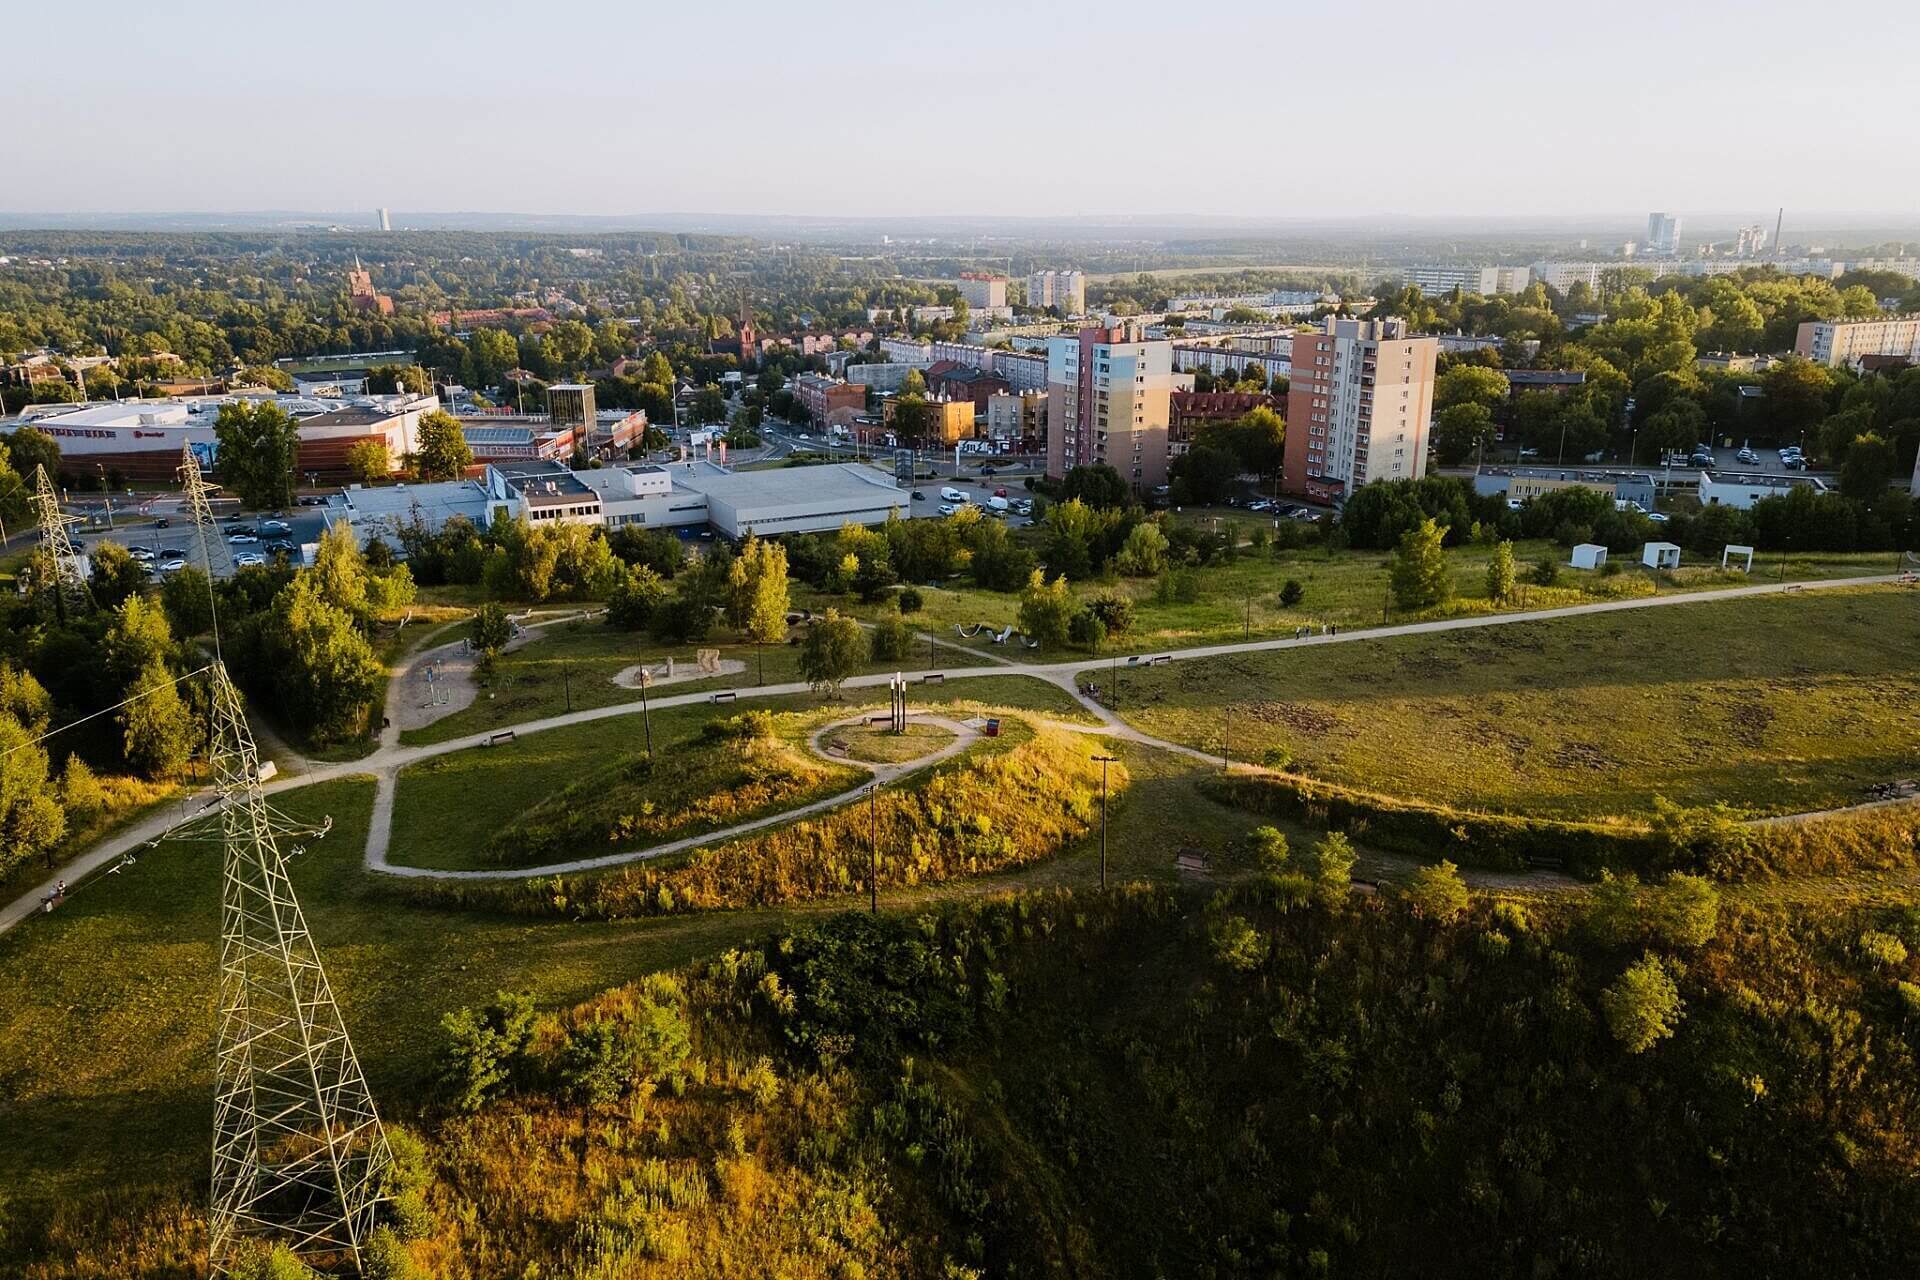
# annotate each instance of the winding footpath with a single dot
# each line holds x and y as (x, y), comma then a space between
(386, 763)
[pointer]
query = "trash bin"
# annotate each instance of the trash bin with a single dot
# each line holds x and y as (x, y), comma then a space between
(993, 728)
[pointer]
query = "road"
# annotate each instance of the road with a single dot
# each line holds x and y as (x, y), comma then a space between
(386, 763)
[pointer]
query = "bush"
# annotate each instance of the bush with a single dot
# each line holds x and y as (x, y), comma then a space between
(486, 1050)
(387, 1258)
(641, 1039)
(892, 637)
(910, 600)
(1115, 611)
(1644, 1006)
(1883, 949)
(1438, 892)
(1270, 850)
(1086, 631)
(1546, 572)
(1291, 593)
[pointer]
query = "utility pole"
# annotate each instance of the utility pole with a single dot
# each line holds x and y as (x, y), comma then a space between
(646, 717)
(1104, 762)
(70, 593)
(873, 849)
(1248, 633)
(1226, 734)
(566, 674)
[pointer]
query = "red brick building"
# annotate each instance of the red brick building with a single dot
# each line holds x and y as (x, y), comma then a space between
(958, 381)
(1188, 411)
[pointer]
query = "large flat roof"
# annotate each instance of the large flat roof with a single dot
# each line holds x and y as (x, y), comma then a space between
(838, 481)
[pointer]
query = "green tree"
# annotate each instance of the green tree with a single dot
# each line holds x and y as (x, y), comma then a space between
(442, 453)
(1470, 384)
(757, 591)
(1144, 553)
(322, 670)
(1438, 893)
(1332, 872)
(31, 820)
(339, 572)
(1203, 475)
(1097, 485)
(1046, 609)
(1460, 429)
(1420, 576)
(157, 730)
(259, 446)
(1869, 465)
(1501, 573)
(490, 629)
(631, 603)
(892, 637)
(1270, 849)
(1643, 1007)
(115, 575)
(1685, 910)
(486, 1050)
(29, 449)
(834, 649)
(368, 461)
(137, 637)
(188, 601)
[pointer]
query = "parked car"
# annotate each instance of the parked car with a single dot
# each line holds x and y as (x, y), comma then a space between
(282, 544)
(141, 553)
(174, 565)
(248, 558)
(952, 494)
(275, 526)
(919, 496)
(243, 536)
(1001, 492)
(312, 501)
(947, 508)
(1748, 456)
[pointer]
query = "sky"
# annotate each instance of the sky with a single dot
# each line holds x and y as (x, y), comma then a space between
(1038, 109)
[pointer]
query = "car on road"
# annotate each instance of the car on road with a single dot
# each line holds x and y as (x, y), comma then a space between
(1001, 492)
(174, 565)
(311, 501)
(948, 508)
(1701, 458)
(919, 496)
(1259, 504)
(141, 553)
(1529, 453)
(162, 523)
(248, 558)
(1658, 517)
(243, 535)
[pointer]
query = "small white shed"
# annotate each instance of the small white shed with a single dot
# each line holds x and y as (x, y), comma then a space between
(1732, 550)
(1589, 555)
(1660, 555)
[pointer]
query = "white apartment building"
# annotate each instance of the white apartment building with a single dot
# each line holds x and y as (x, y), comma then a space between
(1844, 342)
(982, 291)
(1066, 290)
(1108, 398)
(1663, 234)
(1485, 281)
(1359, 406)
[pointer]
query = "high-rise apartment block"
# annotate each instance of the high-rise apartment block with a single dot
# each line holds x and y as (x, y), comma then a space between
(1845, 342)
(1663, 234)
(1485, 281)
(1358, 407)
(1107, 400)
(982, 290)
(1066, 290)
(386, 219)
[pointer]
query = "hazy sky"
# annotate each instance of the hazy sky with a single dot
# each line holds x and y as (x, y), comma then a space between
(907, 108)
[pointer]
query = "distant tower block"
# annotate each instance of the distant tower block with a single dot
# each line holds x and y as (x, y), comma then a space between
(386, 219)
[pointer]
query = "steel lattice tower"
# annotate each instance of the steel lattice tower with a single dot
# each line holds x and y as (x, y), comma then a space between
(298, 1151)
(70, 588)
(200, 511)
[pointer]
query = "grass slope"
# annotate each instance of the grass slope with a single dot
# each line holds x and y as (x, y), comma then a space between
(1772, 704)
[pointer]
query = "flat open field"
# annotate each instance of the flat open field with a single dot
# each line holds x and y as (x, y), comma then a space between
(1348, 589)
(1773, 705)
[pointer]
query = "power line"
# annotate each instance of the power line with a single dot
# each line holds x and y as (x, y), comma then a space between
(95, 715)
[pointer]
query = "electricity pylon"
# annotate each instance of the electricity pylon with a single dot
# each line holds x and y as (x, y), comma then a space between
(200, 511)
(298, 1152)
(69, 585)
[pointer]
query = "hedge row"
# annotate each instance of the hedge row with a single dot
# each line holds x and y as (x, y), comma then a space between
(1500, 842)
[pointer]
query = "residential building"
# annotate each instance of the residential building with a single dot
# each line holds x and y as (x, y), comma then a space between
(1359, 406)
(1017, 419)
(1844, 342)
(982, 290)
(1663, 234)
(1188, 411)
(1486, 281)
(948, 421)
(823, 397)
(887, 376)
(965, 382)
(1732, 489)
(1226, 360)
(1733, 362)
(1108, 392)
(386, 219)
(1066, 290)
(1556, 381)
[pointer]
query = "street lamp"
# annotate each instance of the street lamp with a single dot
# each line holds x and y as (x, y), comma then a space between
(873, 849)
(1104, 762)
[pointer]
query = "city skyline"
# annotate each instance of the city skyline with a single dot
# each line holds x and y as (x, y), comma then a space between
(1496, 118)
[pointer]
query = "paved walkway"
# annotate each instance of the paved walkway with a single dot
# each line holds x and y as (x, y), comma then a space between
(386, 763)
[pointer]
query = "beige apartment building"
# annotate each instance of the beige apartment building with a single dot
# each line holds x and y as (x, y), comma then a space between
(1108, 394)
(1359, 406)
(1845, 342)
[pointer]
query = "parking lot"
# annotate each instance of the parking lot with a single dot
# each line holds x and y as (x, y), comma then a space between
(141, 526)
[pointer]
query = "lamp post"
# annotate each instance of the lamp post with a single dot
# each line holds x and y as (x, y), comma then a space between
(646, 717)
(105, 494)
(873, 849)
(1104, 762)
(1226, 735)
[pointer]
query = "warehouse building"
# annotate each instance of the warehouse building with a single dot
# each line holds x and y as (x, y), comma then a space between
(798, 500)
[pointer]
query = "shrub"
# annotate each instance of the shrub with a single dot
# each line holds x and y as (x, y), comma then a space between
(490, 629)
(387, 1258)
(1501, 573)
(1269, 846)
(892, 637)
(910, 600)
(1438, 892)
(1086, 630)
(1643, 1007)
(1684, 911)
(607, 1056)
(1291, 593)
(1114, 611)
(1333, 860)
(1238, 945)
(1883, 949)
(1546, 571)
(486, 1050)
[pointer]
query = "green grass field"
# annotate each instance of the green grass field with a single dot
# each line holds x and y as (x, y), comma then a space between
(1775, 704)
(445, 807)
(878, 744)
(1241, 600)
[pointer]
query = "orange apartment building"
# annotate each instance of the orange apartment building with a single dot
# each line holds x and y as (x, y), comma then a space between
(1359, 407)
